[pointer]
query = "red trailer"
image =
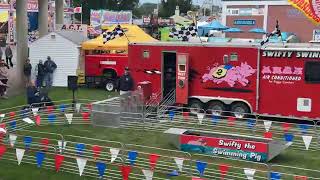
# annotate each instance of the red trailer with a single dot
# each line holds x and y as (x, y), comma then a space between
(278, 80)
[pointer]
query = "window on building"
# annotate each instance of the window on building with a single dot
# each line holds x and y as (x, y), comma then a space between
(233, 11)
(146, 54)
(233, 57)
(312, 72)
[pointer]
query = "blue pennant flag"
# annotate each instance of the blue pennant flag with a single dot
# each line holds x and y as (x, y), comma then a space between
(62, 108)
(27, 141)
(215, 119)
(251, 123)
(288, 137)
(132, 156)
(173, 173)
(101, 168)
(201, 166)
(13, 124)
(79, 148)
(40, 157)
(171, 114)
(51, 118)
(23, 113)
(304, 128)
(275, 176)
(228, 66)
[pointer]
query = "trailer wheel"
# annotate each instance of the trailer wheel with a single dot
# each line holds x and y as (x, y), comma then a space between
(195, 106)
(216, 107)
(239, 109)
(110, 86)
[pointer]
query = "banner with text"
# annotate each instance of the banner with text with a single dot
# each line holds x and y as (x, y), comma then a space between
(116, 17)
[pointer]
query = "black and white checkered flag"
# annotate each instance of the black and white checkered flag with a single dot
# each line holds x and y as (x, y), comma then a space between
(117, 32)
(184, 33)
(276, 32)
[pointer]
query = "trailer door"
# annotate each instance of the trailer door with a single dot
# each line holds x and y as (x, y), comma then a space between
(182, 78)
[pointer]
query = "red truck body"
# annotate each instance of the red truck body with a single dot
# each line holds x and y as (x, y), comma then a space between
(277, 80)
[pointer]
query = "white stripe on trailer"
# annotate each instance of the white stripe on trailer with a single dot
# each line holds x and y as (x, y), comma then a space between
(108, 62)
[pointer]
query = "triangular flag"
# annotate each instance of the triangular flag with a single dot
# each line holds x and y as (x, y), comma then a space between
(173, 173)
(51, 118)
(89, 106)
(288, 137)
(251, 123)
(171, 114)
(132, 156)
(125, 172)
(44, 142)
(148, 174)
(224, 168)
(78, 106)
(27, 141)
(58, 161)
(231, 120)
(12, 115)
(179, 162)
(2, 117)
(304, 128)
(300, 178)
(19, 154)
(12, 139)
(81, 164)
(267, 135)
(40, 157)
(13, 125)
(101, 168)
(38, 120)
(96, 151)
(200, 117)
(185, 115)
(249, 173)
(35, 111)
(3, 130)
(62, 146)
(28, 120)
(286, 126)
(275, 176)
(85, 116)
(114, 154)
(50, 109)
(62, 108)
(69, 117)
(267, 125)
(201, 166)
(196, 178)
(307, 140)
(79, 148)
(215, 119)
(153, 158)
(3, 149)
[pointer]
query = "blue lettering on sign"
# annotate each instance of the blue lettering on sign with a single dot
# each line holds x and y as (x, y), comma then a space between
(245, 22)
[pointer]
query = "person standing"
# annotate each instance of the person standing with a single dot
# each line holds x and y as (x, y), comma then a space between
(27, 71)
(3, 79)
(40, 72)
(9, 55)
(125, 83)
(50, 66)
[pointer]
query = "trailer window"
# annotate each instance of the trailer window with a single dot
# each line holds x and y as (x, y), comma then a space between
(225, 59)
(233, 57)
(312, 72)
(146, 54)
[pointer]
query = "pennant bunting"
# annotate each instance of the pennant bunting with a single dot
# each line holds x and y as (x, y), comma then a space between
(200, 117)
(50, 109)
(251, 123)
(171, 114)
(196, 178)
(19, 154)
(51, 118)
(12, 139)
(62, 145)
(268, 135)
(304, 128)
(69, 118)
(2, 116)
(3, 150)
(28, 120)
(286, 126)
(288, 138)
(307, 141)
(249, 173)
(38, 120)
(44, 143)
(62, 108)
(215, 119)
(80, 148)
(27, 142)
(173, 173)
(96, 151)
(35, 111)
(23, 113)
(148, 174)
(81, 164)
(78, 106)
(267, 125)
(12, 115)
(40, 157)
(201, 166)
(114, 154)
(224, 168)
(125, 170)
(300, 178)
(231, 121)
(132, 156)
(13, 125)
(185, 115)
(275, 176)
(85, 116)
(3, 130)
(58, 161)
(179, 163)
(153, 158)
(89, 106)
(101, 168)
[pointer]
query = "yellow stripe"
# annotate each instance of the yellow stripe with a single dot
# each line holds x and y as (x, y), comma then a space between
(314, 21)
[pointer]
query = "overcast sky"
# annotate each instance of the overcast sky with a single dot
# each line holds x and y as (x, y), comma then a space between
(200, 2)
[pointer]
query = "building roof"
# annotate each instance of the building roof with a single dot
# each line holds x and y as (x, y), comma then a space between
(75, 37)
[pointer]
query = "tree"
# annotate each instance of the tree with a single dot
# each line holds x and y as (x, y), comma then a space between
(147, 8)
(168, 7)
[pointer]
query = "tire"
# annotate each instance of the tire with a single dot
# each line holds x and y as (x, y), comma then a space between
(195, 106)
(216, 107)
(240, 109)
(110, 86)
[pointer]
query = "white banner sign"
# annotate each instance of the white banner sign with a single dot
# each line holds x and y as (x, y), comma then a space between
(83, 28)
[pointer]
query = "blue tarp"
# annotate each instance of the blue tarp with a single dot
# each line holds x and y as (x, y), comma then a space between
(214, 25)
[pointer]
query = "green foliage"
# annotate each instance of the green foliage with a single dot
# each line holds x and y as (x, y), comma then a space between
(168, 7)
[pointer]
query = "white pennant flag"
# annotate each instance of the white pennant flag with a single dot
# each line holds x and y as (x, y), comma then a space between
(78, 106)
(200, 117)
(12, 139)
(114, 153)
(2, 117)
(35, 111)
(19, 153)
(267, 125)
(81, 164)
(148, 174)
(69, 117)
(307, 140)
(2, 130)
(179, 162)
(62, 146)
(28, 120)
(249, 173)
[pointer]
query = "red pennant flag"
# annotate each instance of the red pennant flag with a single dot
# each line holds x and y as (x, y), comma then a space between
(185, 115)
(12, 115)
(89, 106)
(300, 178)
(224, 168)
(3, 125)
(3, 149)
(44, 142)
(286, 126)
(96, 151)
(231, 120)
(125, 172)
(268, 135)
(50, 109)
(38, 120)
(153, 158)
(85, 116)
(58, 161)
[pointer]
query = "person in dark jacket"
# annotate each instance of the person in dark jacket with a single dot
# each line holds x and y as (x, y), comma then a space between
(40, 72)
(50, 66)
(27, 71)
(9, 55)
(125, 83)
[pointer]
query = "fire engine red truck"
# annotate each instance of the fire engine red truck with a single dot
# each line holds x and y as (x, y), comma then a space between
(278, 80)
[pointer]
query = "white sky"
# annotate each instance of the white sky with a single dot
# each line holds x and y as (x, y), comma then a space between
(200, 2)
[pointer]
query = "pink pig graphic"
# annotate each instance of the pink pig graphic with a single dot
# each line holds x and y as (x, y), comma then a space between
(199, 142)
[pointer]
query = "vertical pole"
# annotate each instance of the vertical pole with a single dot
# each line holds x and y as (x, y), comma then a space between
(81, 13)
(43, 17)
(59, 11)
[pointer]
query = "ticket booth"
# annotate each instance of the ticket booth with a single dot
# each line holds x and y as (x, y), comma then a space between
(182, 77)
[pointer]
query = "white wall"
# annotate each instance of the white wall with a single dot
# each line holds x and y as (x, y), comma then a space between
(62, 51)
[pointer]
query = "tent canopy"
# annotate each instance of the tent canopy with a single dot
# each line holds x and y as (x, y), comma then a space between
(132, 34)
(214, 25)
(181, 20)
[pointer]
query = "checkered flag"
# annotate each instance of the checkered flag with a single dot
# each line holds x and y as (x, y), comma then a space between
(185, 33)
(117, 32)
